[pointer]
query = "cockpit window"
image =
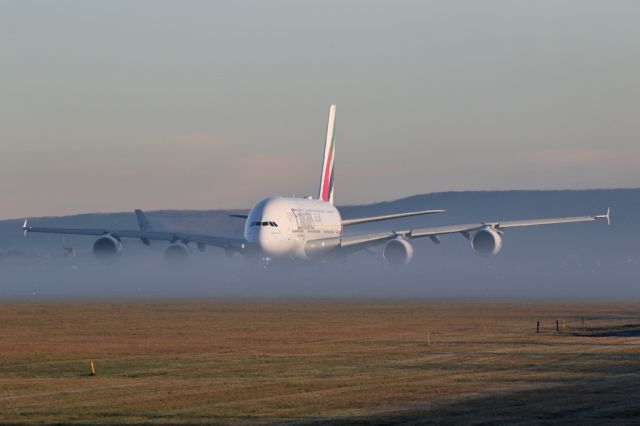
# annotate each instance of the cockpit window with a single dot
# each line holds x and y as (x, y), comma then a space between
(264, 224)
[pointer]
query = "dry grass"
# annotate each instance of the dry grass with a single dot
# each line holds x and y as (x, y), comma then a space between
(301, 361)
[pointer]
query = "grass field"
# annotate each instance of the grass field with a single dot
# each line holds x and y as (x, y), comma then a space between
(306, 362)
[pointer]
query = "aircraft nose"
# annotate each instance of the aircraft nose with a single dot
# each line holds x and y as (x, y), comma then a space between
(263, 237)
(264, 240)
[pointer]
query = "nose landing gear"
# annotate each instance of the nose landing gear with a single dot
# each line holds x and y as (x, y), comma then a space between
(265, 262)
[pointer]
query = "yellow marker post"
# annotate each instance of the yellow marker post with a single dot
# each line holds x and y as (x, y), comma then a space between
(93, 369)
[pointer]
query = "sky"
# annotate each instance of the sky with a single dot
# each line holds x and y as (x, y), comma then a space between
(115, 105)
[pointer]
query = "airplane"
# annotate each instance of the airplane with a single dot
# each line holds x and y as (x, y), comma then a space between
(307, 228)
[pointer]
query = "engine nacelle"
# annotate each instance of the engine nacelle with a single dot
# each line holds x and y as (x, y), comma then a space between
(398, 251)
(177, 254)
(487, 242)
(106, 248)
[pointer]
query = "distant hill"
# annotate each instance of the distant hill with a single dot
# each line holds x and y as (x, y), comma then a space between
(462, 207)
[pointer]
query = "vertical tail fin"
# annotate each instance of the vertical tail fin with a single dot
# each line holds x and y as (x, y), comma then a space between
(326, 178)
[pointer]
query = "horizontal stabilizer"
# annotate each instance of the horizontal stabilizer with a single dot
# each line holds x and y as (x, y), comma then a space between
(388, 217)
(241, 216)
(143, 222)
(144, 225)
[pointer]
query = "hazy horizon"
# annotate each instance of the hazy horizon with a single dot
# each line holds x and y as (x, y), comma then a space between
(111, 106)
(339, 205)
(582, 260)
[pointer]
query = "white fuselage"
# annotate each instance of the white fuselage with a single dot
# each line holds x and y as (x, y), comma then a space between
(288, 227)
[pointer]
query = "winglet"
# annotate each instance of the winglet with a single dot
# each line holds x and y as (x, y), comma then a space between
(25, 227)
(606, 216)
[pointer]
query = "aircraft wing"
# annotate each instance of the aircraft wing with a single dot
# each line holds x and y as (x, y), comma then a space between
(231, 243)
(354, 243)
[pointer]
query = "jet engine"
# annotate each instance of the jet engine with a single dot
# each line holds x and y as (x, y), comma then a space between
(177, 254)
(398, 251)
(107, 247)
(487, 242)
